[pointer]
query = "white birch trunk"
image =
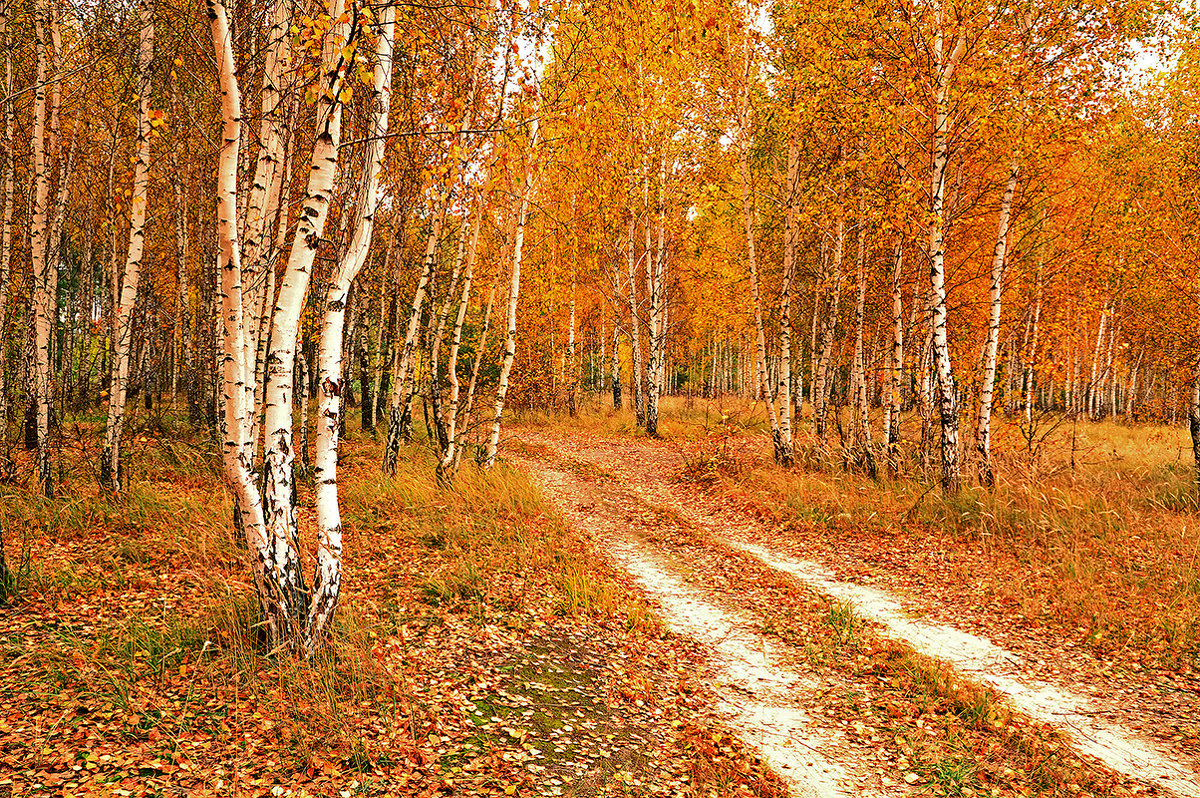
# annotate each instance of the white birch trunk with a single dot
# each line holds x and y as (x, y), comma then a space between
(41, 268)
(1031, 355)
(447, 463)
(439, 335)
(947, 396)
(279, 511)
(891, 432)
(327, 576)
(784, 390)
(235, 370)
(510, 340)
(635, 332)
(821, 384)
(862, 418)
(1094, 384)
(983, 433)
(469, 405)
(403, 357)
(110, 457)
(6, 224)
(748, 218)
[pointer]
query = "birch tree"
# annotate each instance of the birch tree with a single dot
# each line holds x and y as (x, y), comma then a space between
(41, 268)
(983, 431)
(945, 60)
(10, 163)
(110, 457)
(327, 578)
(528, 184)
(268, 520)
(748, 216)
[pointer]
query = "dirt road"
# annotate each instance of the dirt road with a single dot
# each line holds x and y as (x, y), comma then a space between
(718, 576)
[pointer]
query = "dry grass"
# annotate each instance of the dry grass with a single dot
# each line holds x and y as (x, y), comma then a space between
(138, 663)
(1091, 529)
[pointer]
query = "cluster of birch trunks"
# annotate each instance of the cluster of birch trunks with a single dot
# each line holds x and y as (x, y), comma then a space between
(279, 180)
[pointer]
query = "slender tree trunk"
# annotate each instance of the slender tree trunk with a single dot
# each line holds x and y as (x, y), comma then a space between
(821, 384)
(752, 262)
(110, 457)
(616, 361)
(1031, 354)
(891, 432)
(1194, 412)
(403, 357)
(10, 148)
(447, 463)
(264, 187)
(862, 417)
(635, 331)
(572, 371)
(435, 349)
(947, 392)
(983, 430)
(510, 340)
(183, 316)
(655, 272)
(327, 577)
(469, 404)
(236, 371)
(373, 377)
(784, 390)
(1093, 391)
(41, 267)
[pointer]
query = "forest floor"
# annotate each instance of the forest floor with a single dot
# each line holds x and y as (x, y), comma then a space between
(603, 615)
(859, 660)
(481, 647)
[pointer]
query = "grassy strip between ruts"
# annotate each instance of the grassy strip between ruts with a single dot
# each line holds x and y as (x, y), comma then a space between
(480, 650)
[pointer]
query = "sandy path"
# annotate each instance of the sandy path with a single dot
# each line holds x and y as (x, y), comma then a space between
(760, 692)
(642, 471)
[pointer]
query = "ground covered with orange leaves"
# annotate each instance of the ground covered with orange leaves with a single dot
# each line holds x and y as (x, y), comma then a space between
(480, 649)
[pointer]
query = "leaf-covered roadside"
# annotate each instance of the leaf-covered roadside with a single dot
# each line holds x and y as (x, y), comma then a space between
(922, 726)
(480, 650)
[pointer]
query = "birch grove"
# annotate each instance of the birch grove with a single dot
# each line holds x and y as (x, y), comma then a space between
(831, 235)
